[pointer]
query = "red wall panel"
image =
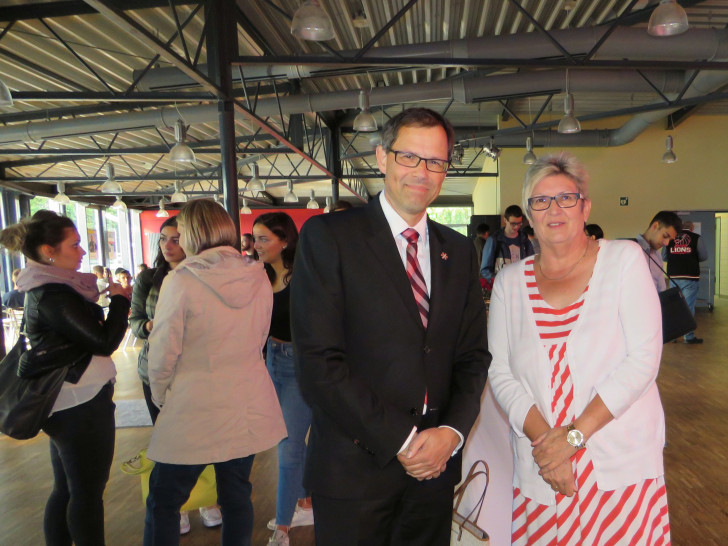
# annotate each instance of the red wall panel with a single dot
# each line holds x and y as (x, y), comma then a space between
(151, 224)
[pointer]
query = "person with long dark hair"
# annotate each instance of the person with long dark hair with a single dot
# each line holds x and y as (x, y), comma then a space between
(207, 375)
(276, 237)
(145, 295)
(60, 304)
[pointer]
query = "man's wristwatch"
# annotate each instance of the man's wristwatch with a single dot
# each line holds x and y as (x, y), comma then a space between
(575, 437)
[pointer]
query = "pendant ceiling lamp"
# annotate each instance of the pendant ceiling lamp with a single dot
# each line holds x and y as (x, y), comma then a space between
(162, 213)
(669, 156)
(119, 204)
(310, 22)
(569, 124)
(291, 196)
(668, 19)
(178, 196)
(6, 99)
(364, 121)
(181, 152)
(61, 196)
(491, 150)
(457, 154)
(110, 185)
(255, 184)
(246, 208)
(529, 158)
(312, 204)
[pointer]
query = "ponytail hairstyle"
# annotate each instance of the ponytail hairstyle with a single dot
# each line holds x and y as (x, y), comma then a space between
(27, 236)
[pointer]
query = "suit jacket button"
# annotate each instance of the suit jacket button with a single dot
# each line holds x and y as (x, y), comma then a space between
(414, 412)
(427, 349)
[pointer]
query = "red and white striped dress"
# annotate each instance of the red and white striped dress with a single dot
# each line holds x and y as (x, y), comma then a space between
(636, 514)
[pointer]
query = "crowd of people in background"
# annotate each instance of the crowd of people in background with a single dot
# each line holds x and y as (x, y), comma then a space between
(364, 363)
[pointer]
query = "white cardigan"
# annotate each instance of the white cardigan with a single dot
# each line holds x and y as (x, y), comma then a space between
(614, 350)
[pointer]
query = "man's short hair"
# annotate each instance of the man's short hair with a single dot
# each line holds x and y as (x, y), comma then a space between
(98, 269)
(514, 211)
(417, 117)
(667, 218)
(341, 204)
(482, 229)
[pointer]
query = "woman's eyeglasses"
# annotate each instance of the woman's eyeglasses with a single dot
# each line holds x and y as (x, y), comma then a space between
(563, 200)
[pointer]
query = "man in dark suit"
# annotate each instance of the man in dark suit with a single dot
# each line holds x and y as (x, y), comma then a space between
(393, 369)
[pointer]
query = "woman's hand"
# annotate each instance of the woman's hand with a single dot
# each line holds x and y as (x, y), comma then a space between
(551, 449)
(561, 479)
(115, 289)
(149, 325)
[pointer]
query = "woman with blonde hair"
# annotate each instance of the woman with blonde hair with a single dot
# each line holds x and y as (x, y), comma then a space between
(576, 338)
(207, 375)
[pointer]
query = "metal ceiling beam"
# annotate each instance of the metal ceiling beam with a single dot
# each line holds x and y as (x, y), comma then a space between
(68, 8)
(119, 18)
(110, 11)
(50, 113)
(439, 62)
(382, 31)
(546, 33)
(40, 70)
(103, 96)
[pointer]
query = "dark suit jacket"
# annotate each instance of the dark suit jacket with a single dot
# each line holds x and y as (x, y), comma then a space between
(363, 359)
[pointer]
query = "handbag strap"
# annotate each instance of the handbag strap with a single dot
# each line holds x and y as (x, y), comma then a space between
(460, 491)
(661, 268)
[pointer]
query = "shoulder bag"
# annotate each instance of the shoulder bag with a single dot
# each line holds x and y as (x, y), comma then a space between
(26, 403)
(677, 319)
(464, 530)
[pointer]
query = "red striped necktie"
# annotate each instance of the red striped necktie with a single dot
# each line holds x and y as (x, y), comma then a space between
(414, 274)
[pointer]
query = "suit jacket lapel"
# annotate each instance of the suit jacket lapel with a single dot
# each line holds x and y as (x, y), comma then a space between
(384, 249)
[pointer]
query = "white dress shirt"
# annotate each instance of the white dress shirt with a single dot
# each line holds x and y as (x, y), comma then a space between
(397, 224)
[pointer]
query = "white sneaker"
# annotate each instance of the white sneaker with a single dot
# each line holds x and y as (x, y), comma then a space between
(279, 538)
(211, 516)
(301, 518)
(184, 523)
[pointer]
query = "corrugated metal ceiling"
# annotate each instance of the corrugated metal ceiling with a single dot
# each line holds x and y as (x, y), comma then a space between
(86, 53)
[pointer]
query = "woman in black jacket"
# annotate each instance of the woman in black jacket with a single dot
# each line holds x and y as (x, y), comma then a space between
(144, 299)
(61, 305)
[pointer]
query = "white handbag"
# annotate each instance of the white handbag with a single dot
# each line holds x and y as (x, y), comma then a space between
(464, 529)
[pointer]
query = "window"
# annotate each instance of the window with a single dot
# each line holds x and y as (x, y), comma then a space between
(457, 218)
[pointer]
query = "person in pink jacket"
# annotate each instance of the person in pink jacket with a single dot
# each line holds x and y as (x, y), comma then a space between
(207, 374)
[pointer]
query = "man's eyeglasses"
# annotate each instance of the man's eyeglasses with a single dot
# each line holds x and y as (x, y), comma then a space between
(407, 159)
(563, 200)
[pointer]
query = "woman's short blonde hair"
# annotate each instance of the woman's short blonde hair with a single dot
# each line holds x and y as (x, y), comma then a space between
(206, 224)
(550, 165)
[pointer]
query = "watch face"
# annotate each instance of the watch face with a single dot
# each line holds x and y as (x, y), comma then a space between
(575, 438)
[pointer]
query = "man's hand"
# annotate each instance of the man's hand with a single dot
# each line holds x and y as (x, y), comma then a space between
(427, 454)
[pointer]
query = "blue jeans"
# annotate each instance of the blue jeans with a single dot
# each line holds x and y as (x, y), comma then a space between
(297, 416)
(690, 291)
(170, 486)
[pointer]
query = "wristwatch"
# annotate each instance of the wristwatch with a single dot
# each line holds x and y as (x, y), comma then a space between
(575, 437)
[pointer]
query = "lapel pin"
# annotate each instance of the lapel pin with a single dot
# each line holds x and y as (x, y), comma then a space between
(443, 255)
